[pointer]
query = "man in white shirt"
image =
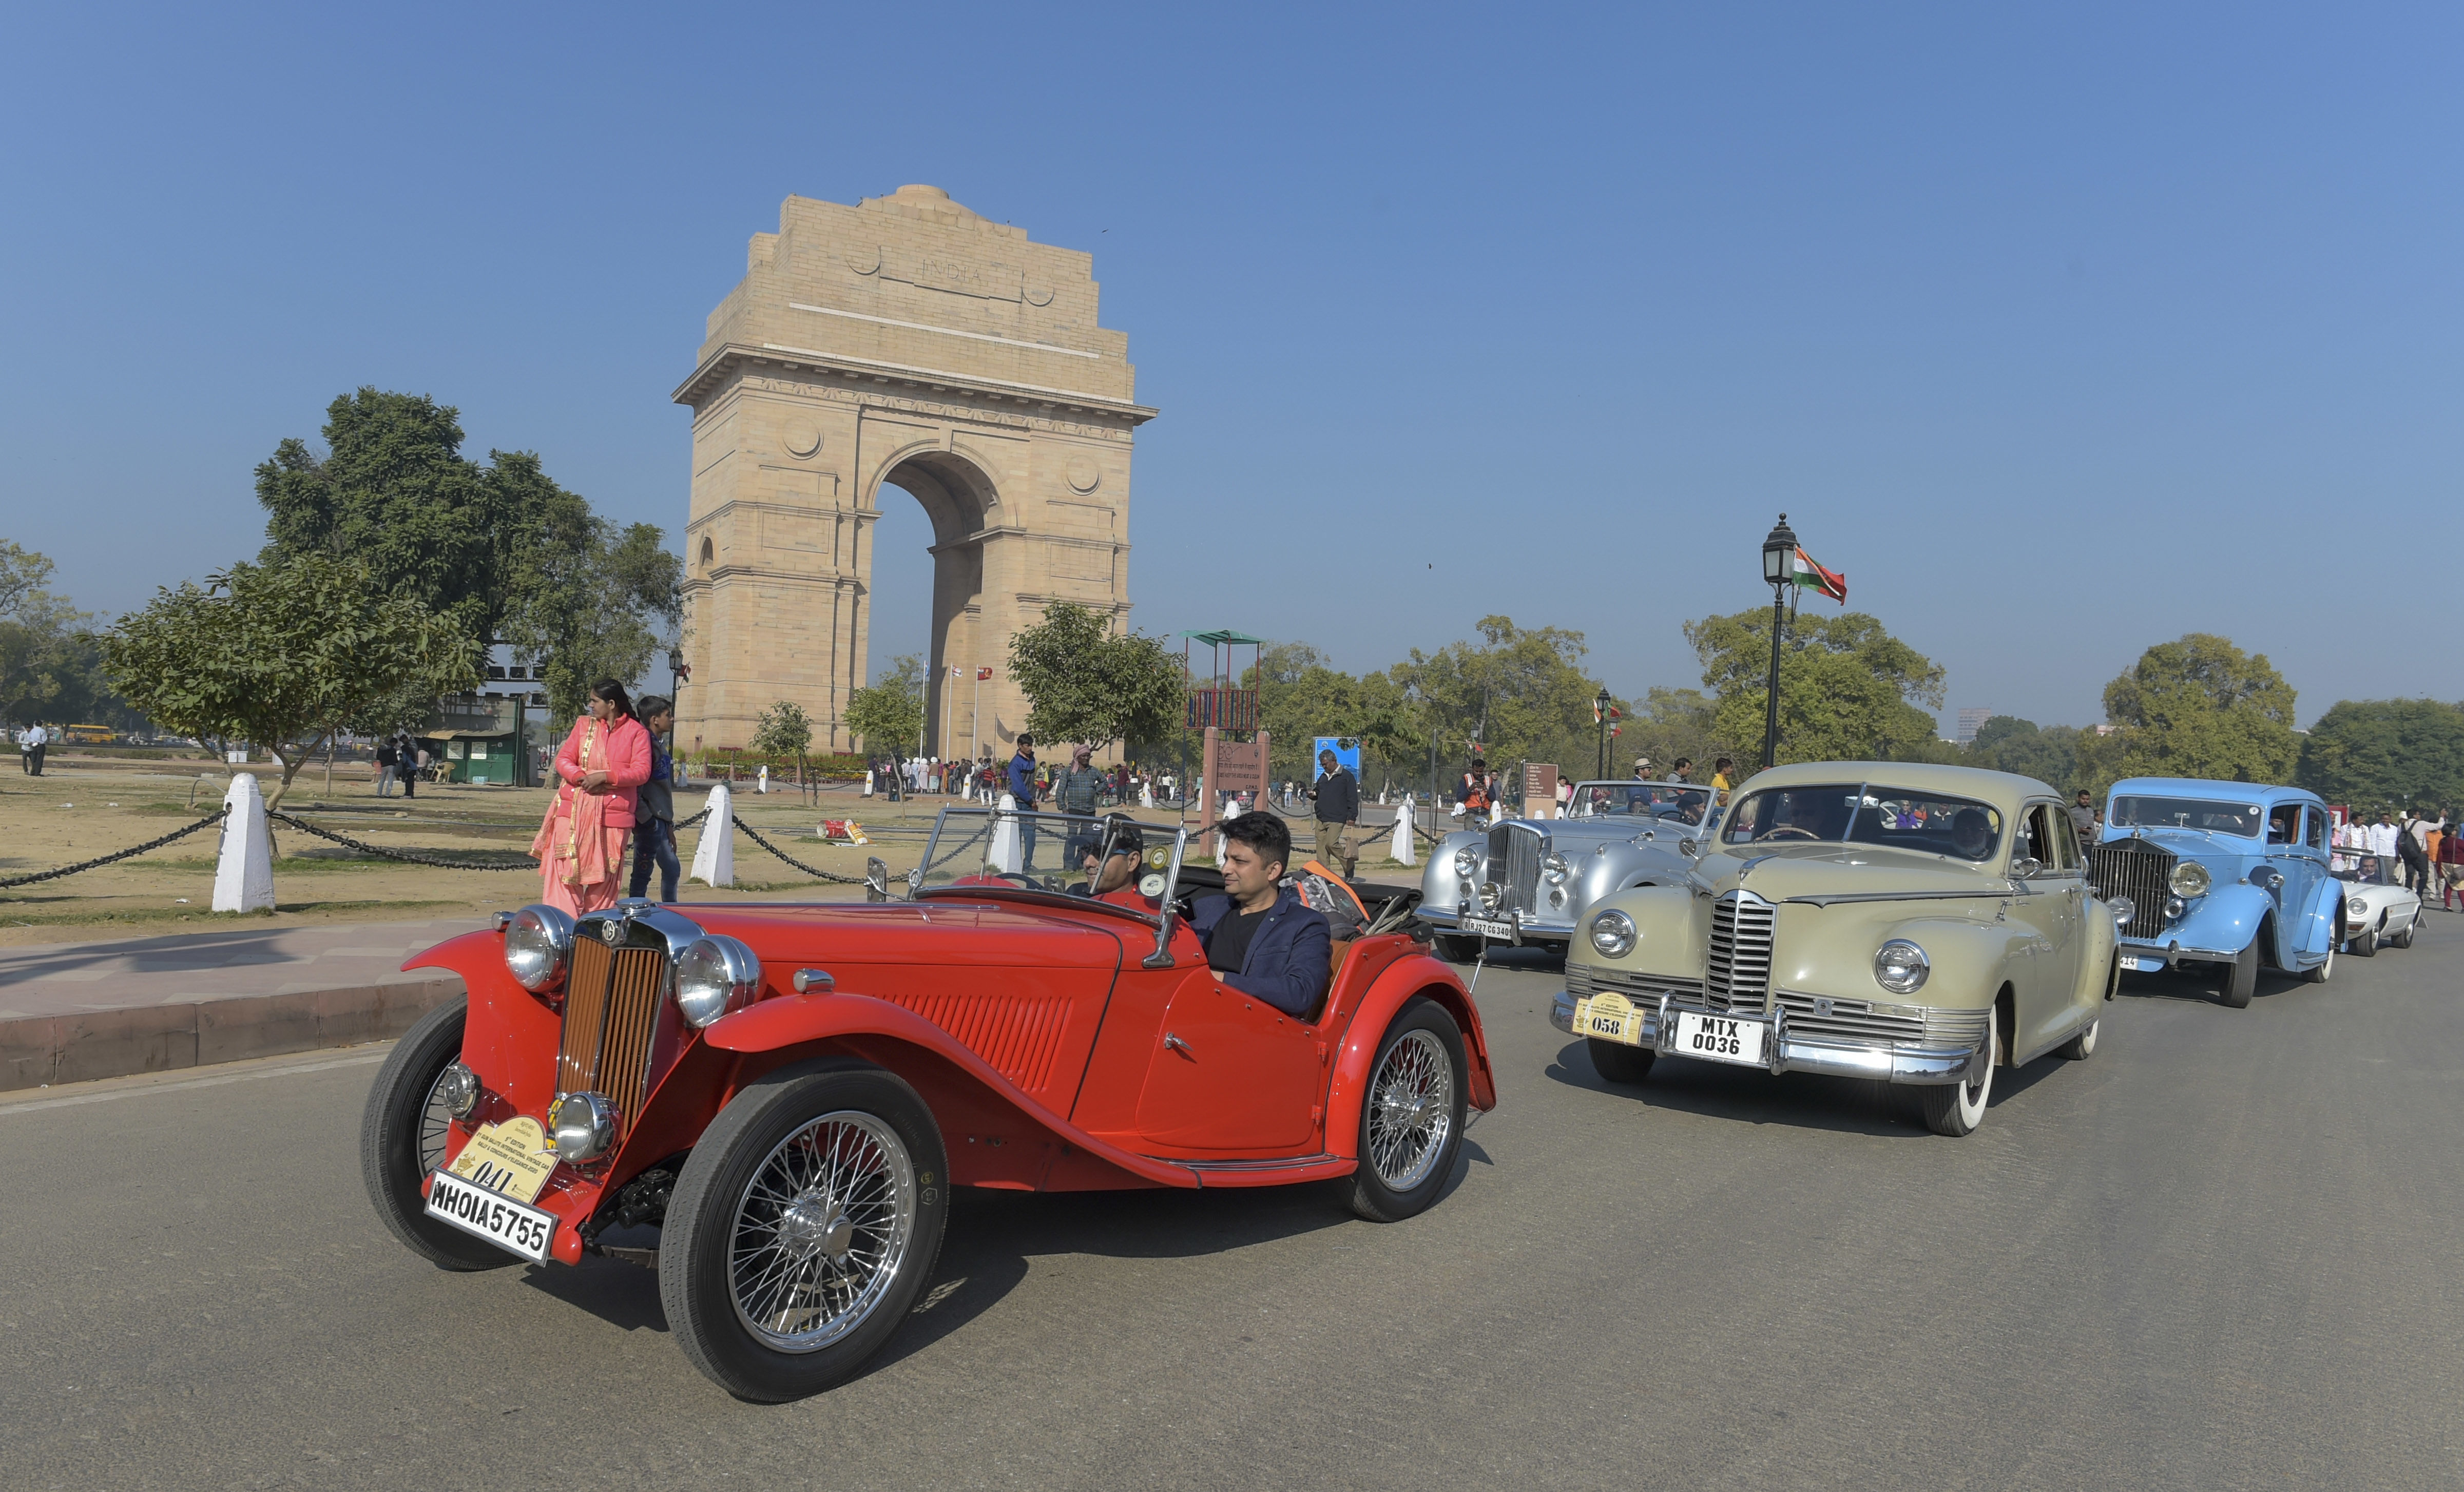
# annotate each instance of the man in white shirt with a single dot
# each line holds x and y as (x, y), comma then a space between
(2383, 838)
(32, 744)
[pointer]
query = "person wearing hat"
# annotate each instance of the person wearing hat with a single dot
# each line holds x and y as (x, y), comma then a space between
(1110, 862)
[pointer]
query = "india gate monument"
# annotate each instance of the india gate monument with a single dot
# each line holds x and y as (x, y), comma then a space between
(902, 344)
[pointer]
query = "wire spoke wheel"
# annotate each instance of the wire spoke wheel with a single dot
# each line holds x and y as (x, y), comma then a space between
(1410, 1109)
(820, 1231)
(435, 1128)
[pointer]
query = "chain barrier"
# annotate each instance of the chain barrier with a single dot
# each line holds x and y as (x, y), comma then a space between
(214, 816)
(412, 856)
(811, 871)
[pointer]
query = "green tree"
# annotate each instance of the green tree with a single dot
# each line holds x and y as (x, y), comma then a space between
(783, 729)
(1848, 690)
(500, 550)
(51, 666)
(1669, 723)
(1085, 683)
(888, 714)
(2386, 754)
(1520, 692)
(2202, 708)
(2005, 743)
(283, 655)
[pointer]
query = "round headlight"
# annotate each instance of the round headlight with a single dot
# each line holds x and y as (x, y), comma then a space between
(2355, 907)
(1900, 966)
(2191, 879)
(1554, 866)
(1613, 934)
(2122, 907)
(536, 942)
(714, 976)
(582, 1126)
(1489, 896)
(458, 1089)
(1466, 863)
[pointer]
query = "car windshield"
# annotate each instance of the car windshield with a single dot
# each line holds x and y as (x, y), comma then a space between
(2363, 871)
(1125, 862)
(1865, 813)
(1633, 798)
(2212, 814)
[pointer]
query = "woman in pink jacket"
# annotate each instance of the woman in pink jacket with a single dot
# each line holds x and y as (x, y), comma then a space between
(580, 845)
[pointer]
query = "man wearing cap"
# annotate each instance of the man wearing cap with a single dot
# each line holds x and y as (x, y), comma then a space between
(1338, 811)
(1110, 860)
(1022, 788)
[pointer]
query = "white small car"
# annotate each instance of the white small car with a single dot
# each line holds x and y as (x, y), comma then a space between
(2377, 906)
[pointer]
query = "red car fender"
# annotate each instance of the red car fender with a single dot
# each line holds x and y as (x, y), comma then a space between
(1415, 973)
(957, 1084)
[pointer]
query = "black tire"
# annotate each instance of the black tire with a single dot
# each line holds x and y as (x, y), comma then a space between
(2083, 1046)
(2325, 969)
(1958, 1108)
(1403, 1167)
(401, 1138)
(856, 1105)
(2404, 939)
(2241, 978)
(2363, 945)
(1456, 949)
(1617, 1063)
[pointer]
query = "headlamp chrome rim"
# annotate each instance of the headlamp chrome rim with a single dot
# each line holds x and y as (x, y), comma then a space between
(2122, 907)
(582, 1126)
(2190, 879)
(1466, 863)
(1554, 868)
(1900, 966)
(1614, 933)
(716, 974)
(537, 947)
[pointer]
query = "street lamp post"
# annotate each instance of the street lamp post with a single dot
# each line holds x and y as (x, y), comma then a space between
(1779, 553)
(1601, 704)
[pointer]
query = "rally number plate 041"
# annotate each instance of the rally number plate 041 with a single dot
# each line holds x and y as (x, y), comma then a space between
(1720, 1039)
(501, 1220)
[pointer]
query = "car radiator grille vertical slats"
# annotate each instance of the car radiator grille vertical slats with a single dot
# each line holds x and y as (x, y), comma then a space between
(2140, 872)
(611, 1017)
(1514, 851)
(1737, 971)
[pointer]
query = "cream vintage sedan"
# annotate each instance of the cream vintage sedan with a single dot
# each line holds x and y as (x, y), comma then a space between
(1916, 924)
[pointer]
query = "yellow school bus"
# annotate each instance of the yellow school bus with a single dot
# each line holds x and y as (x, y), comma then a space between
(87, 734)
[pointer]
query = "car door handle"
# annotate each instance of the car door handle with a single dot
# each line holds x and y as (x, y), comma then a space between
(1173, 1042)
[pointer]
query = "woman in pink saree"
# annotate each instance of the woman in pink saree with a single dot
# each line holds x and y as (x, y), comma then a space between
(580, 845)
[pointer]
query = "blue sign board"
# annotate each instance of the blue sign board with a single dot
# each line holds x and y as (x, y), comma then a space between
(1346, 753)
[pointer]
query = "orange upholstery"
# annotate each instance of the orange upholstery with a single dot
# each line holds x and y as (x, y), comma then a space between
(1337, 950)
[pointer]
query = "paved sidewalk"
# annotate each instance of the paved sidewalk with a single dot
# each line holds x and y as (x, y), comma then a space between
(74, 1011)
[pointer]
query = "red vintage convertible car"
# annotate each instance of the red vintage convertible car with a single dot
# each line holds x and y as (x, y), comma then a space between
(789, 1091)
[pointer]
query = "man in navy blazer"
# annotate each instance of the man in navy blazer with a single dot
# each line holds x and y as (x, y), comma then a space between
(1261, 939)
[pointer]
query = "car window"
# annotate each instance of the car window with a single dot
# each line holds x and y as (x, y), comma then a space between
(2314, 829)
(2285, 824)
(2184, 813)
(2066, 849)
(1781, 814)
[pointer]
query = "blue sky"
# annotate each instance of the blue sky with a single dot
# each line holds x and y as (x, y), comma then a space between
(2062, 331)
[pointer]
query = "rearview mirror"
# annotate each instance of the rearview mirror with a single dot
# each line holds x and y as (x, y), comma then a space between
(2026, 867)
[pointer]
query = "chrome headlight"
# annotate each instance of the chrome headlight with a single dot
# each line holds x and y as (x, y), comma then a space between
(1553, 867)
(1900, 966)
(2355, 907)
(582, 1126)
(1466, 863)
(2124, 908)
(538, 941)
(2174, 907)
(1489, 896)
(458, 1089)
(2191, 879)
(1613, 934)
(714, 976)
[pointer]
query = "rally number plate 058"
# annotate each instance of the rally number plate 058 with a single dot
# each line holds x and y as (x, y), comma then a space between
(1721, 1038)
(501, 1220)
(1610, 1017)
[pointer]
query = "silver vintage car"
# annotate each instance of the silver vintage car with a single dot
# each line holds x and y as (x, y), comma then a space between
(1527, 880)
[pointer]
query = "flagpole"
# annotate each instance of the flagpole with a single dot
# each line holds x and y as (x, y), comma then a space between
(976, 716)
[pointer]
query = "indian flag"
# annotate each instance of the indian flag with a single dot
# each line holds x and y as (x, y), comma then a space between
(1813, 578)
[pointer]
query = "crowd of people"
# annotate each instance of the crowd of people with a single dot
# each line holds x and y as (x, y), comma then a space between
(1023, 774)
(2427, 850)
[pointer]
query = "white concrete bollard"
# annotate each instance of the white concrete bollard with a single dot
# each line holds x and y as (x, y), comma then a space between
(762, 783)
(244, 872)
(1004, 854)
(714, 861)
(1146, 794)
(867, 785)
(1403, 822)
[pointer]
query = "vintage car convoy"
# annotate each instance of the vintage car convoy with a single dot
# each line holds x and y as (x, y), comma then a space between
(2379, 908)
(1534, 880)
(1910, 923)
(789, 1092)
(2223, 878)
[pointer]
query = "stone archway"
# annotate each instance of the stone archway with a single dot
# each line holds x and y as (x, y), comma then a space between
(904, 341)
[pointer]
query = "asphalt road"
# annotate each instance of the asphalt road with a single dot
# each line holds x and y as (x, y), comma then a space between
(2220, 1253)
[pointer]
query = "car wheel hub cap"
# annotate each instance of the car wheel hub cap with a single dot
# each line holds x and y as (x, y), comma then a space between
(820, 1231)
(1410, 1110)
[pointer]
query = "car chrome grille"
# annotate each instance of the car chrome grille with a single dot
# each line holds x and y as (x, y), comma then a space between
(1644, 989)
(1815, 1018)
(611, 1016)
(1736, 974)
(2139, 870)
(1514, 851)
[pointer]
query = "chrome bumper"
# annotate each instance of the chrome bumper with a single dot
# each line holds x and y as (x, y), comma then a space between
(2171, 953)
(1886, 1064)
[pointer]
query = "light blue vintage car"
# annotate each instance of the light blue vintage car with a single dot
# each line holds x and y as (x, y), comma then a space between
(2220, 877)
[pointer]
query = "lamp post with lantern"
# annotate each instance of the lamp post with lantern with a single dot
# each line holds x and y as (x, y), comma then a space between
(1601, 704)
(1779, 553)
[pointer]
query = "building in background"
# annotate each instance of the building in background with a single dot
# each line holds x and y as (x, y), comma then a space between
(1970, 720)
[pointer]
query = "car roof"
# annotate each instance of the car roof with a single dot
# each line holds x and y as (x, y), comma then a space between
(2210, 787)
(2004, 790)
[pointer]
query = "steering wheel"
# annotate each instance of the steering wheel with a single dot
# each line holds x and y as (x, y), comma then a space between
(1786, 831)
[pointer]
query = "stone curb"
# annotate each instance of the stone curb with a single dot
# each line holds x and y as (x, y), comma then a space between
(38, 1051)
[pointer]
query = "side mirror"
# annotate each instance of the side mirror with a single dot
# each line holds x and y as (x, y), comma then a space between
(2026, 869)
